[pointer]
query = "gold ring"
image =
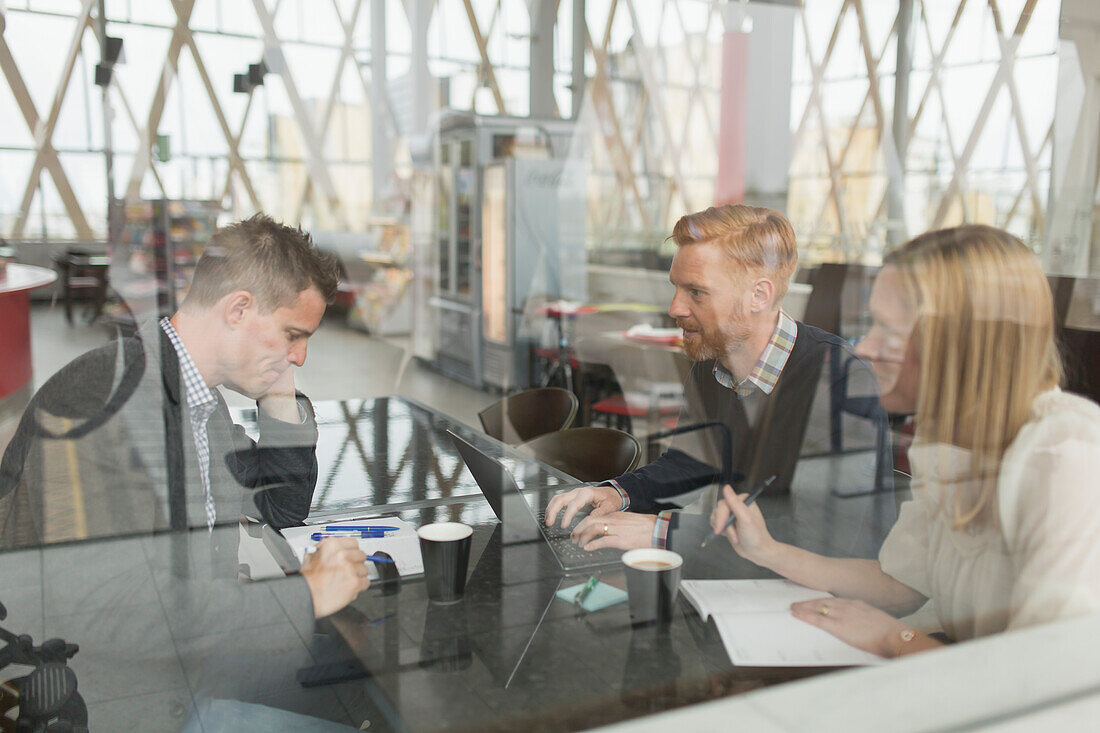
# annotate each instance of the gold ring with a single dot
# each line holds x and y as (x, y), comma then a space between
(606, 529)
(824, 610)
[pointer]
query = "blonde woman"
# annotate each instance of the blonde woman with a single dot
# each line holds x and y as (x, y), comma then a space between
(1004, 527)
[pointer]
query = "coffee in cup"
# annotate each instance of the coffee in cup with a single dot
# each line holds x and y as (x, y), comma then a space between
(652, 583)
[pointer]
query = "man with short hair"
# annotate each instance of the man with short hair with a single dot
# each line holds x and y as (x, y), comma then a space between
(137, 432)
(756, 370)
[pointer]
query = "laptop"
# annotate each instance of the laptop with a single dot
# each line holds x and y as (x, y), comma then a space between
(521, 522)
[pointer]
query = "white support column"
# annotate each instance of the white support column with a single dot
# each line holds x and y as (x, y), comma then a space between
(1071, 245)
(897, 230)
(768, 113)
(580, 31)
(543, 20)
(381, 144)
(420, 14)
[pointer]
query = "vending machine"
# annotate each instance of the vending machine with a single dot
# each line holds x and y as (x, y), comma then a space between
(509, 231)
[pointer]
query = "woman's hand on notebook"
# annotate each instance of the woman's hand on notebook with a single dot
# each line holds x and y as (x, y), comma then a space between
(862, 625)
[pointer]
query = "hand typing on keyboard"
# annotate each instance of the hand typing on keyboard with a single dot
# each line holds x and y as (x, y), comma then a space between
(620, 530)
(602, 499)
(553, 530)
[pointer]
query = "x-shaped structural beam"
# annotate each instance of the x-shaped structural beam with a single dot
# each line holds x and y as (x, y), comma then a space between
(46, 156)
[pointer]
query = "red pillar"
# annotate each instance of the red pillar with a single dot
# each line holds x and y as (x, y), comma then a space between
(729, 187)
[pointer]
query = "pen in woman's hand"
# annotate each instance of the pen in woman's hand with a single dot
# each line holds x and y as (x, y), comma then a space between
(729, 522)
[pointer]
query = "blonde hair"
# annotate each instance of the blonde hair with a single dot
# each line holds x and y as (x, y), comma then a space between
(985, 333)
(759, 240)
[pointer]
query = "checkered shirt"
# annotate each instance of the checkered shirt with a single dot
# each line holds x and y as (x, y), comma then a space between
(200, 404)
(767, 370)
(763, 377)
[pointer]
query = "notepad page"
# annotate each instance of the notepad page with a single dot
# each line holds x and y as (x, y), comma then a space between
(403, 545)
(713, 597)
(781, 640)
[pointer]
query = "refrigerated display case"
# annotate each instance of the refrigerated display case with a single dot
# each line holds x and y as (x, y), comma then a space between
(508, 171)
(454, 301)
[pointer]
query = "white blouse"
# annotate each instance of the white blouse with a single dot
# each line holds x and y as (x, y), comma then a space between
(1043, 562)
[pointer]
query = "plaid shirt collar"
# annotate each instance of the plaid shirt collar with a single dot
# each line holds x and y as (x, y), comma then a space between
(767, 370)
(198, 393)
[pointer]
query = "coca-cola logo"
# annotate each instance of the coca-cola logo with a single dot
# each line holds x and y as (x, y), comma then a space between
(544, 179)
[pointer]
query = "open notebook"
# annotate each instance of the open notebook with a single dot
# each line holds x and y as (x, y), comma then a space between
(755, 622)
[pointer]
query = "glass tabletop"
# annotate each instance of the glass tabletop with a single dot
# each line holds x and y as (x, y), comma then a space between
(394, 452)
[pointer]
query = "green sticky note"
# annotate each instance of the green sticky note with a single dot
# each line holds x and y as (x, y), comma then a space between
(602, 596)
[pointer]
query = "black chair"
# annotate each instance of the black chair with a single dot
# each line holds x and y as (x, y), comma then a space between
(824, 310)
(823, 305)
(587, 454)
(1061, 291)
(1080, 348)
(1081, 359)
(526, 415)
(81, 271)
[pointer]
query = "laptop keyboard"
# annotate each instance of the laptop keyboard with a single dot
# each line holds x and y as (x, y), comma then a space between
(570, 554)
(555, 530)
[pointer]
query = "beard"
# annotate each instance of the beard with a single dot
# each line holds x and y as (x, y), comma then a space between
(714, 343)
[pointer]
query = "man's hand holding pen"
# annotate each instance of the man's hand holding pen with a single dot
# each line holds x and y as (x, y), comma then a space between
(336, 574)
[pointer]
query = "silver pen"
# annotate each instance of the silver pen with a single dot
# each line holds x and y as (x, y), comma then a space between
(748, 501)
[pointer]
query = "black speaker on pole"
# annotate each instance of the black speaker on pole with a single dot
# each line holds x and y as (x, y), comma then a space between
(112, 51)
(256, 74)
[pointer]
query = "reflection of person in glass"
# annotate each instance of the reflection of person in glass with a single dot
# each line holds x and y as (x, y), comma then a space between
(137, 433)
(1004, 527)
(756, 371)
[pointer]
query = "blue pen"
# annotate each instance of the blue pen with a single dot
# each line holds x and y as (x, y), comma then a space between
(360, 528)
(379, 558)
(318, 536)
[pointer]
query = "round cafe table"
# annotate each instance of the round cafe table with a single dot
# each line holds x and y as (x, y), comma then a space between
(15, 334)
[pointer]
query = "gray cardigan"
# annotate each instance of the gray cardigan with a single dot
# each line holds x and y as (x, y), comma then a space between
(120, 412)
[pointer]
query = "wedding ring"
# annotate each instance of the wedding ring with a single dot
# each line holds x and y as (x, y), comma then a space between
(606, 529)
(824, 610)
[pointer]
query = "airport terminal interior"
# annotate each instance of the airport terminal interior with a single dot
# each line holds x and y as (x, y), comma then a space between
(506, 207)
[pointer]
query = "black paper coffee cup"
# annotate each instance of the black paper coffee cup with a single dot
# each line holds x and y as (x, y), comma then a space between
(652, 583)
(445, 548)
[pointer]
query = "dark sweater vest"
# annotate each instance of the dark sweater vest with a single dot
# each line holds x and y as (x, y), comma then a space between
(770, 447)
